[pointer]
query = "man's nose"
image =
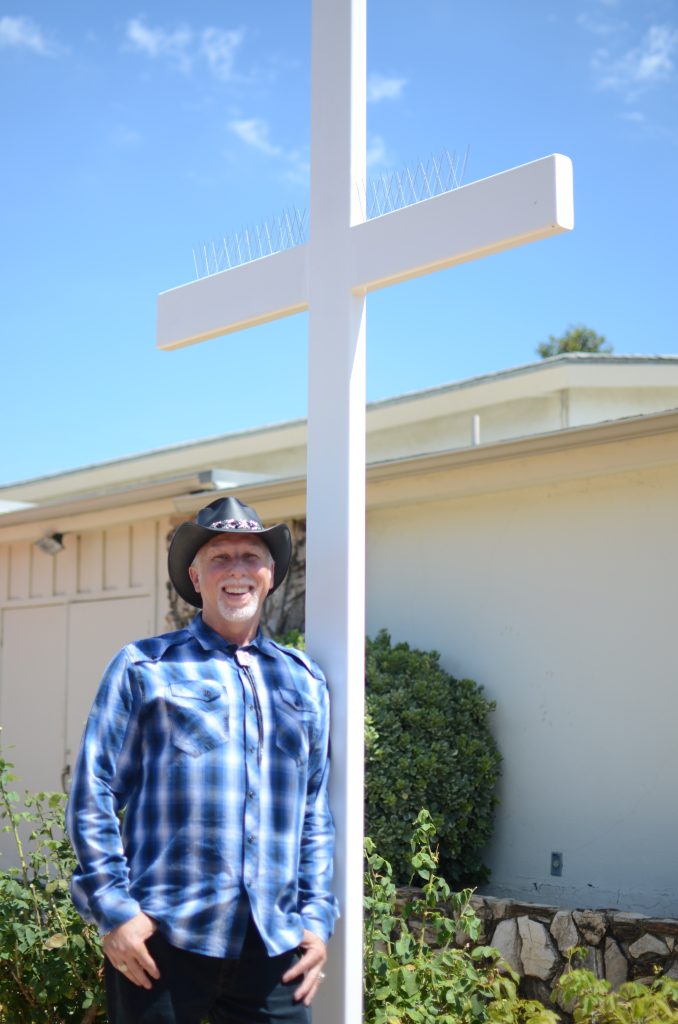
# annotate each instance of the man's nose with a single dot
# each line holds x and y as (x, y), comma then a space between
(237, 563)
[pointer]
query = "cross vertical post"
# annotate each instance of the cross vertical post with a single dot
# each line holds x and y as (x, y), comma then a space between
(345, 258)
(335, 539)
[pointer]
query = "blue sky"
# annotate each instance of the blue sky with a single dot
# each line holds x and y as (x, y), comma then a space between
(132, 133)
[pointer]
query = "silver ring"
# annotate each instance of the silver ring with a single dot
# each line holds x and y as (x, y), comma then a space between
(123, 968)
(321, 976)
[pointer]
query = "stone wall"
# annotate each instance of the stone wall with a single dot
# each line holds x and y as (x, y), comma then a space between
(533, 939)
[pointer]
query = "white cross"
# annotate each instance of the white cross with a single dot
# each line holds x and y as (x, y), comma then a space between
(345, 258)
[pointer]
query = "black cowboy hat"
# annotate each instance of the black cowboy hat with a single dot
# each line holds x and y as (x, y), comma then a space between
(225, 515)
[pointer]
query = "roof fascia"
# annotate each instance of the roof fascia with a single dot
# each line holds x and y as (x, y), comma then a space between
(286, 497)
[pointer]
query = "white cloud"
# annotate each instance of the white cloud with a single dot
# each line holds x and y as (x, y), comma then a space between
(219, 48)
(600, 26)
(255, 132)
(634, 116)
(647, 64)
(184, 48)
(381, 88)
(23, 33)
(156, 42)
(653, 62)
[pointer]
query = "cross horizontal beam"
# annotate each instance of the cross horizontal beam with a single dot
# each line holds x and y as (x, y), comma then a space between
(521, 205)
(244, 296)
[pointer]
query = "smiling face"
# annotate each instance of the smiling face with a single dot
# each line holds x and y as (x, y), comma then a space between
(233, 574)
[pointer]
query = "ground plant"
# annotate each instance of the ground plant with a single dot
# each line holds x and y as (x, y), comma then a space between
(422, 960)
(422, 964)
(50, 960)
(590, 999)
(415, 968)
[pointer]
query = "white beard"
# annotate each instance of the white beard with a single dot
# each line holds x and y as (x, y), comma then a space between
(242, 614)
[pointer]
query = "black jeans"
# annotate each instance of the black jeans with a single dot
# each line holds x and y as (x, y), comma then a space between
(193, 988)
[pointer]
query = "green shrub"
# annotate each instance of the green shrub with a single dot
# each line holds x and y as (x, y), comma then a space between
(413, 971)
(50, 960)
(428, 745)
(589, 999)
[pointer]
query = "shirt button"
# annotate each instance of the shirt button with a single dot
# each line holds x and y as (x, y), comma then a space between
(251, 794)
(251, 749)
(250, 839)
(250, 707)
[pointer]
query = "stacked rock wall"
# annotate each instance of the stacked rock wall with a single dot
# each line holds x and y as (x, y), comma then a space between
(534, 938)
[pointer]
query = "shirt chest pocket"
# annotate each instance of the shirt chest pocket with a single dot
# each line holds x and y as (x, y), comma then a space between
(198, 715)
(296, 718)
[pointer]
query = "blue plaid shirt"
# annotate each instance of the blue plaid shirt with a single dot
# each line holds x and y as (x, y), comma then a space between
(218, 757)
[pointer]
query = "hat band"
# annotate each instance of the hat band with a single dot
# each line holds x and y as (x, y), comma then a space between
(236, 524)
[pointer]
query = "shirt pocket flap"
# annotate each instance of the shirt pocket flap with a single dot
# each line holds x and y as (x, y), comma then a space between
(199, 690)
(295, 703)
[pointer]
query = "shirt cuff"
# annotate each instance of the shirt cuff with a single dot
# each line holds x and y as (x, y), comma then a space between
(113, 910)
(317, 925)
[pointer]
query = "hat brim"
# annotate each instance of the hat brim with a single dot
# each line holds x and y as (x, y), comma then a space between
(190, 537)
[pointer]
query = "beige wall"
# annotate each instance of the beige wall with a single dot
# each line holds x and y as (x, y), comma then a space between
(561, 600)
(546, 569)
(61, 619)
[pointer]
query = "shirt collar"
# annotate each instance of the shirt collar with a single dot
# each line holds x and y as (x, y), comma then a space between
(210, 640)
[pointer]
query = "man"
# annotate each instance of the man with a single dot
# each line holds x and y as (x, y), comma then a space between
(198, 810)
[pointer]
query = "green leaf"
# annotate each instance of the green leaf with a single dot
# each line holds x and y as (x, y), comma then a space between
(408, 977)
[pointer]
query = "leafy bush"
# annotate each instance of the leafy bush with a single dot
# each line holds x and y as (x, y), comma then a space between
(50, 960)
(428, 745)
(589, 998)
(412, 970)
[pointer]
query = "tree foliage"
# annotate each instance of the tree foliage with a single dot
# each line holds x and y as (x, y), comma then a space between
(575, 339)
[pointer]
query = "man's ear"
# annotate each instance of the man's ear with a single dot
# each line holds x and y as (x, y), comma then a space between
(195, 578)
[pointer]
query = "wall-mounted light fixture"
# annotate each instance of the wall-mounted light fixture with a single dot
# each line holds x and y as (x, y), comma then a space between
(51, 543)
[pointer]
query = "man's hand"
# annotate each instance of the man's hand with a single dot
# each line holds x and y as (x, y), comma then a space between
(126, 948)
(310, 966)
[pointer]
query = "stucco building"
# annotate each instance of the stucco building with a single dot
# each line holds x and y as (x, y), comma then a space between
(522, 523)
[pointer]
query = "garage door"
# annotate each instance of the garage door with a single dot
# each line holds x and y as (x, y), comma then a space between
(52, 660)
